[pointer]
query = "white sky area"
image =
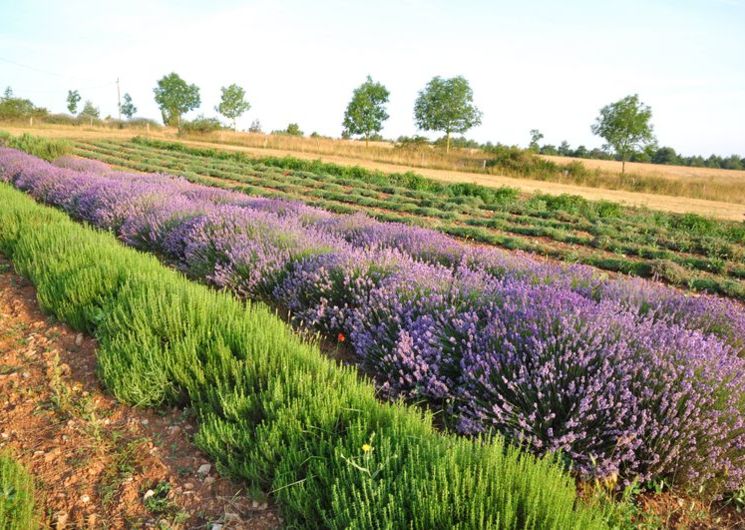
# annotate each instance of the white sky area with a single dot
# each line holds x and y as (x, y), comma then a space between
(533, 64)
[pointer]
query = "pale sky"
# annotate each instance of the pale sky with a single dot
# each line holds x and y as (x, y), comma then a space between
(531, 64)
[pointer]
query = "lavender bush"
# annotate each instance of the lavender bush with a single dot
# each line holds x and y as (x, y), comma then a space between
(628, 379)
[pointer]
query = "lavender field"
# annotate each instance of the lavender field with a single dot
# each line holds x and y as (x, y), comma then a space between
(628, 379)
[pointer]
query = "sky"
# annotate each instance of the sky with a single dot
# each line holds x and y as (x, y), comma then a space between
(532, 64)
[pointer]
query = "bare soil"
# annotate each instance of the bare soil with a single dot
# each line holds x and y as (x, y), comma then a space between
(98, 463)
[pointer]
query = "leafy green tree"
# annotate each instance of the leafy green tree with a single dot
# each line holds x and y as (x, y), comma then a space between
(255, 127)
(665, 155)
(366, 112)
(625, 127)
(535, 137)
(565, 149)
(8, 94)
(89, 110)
(127, 108)
(233, 103)
(293, 129)
(446, 105)
(175, 97)
(73, 98)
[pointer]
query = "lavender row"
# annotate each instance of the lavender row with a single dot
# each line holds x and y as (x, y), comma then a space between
(628, 379)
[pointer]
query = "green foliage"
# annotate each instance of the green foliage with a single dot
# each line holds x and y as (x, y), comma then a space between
(272, 409)
(46, 148)
(535, 137)
(366, 112)
(175, 97)
(89, 111)
(13, 108)
(625, 126)
(446, 105)
(73, 98)
(200, 125)
(293, 129)
(128, 108)
(233, 103)
(16, 496)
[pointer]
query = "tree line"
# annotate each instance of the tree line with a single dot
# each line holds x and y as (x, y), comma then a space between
(444, 105)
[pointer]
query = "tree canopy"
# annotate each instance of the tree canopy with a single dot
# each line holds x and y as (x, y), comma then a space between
(366, 111)
(446, 105)
(73, 98)
(233, 103)
(625, 127)
(175, 97)
(127, 108)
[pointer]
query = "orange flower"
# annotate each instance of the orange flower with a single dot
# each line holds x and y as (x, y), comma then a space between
(341, 337)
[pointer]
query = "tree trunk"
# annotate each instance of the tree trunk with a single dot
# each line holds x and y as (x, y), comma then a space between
(447, 142)
(623, 166)
(366, 138)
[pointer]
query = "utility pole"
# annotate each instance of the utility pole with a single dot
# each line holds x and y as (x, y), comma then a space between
(118, 100)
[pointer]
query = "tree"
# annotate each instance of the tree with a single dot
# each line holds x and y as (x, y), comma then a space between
(366, 112)
(73, 98)
(293, 129)
(175, 97)
(565, 149)
(535, 137)
(625, 127)
(8, 94)
(665, 155)
(233, 103)
(255, 127)
(127, 108)
(90, 110)
(446, 105)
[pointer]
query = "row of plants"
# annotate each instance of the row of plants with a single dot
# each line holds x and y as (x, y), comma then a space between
(630, 381)
(688, 251)
(16, 495)
(272, 409)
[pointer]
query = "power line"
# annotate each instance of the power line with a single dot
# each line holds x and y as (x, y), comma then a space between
(55, 74)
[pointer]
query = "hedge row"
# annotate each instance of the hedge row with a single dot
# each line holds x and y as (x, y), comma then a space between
(273, 411)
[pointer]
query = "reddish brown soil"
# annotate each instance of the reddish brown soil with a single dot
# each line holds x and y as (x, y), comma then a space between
(98, 463)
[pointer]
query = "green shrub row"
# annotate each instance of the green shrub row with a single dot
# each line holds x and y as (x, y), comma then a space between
(613, 244)
(45, 148)
(273, 410)
(16, 495)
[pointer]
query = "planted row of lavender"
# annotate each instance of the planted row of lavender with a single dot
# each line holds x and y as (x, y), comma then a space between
(629, 379)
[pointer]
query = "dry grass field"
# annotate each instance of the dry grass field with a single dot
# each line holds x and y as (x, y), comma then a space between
(657, 170)
(730, 185)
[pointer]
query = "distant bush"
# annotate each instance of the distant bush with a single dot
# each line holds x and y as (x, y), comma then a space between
(46, 148)
(293, 129)
(17, 108)
(412, 142)
(200, 125)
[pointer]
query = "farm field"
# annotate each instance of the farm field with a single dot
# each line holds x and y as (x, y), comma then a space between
(422, 315)
(709, 192)
(266, 399)
(685, 250)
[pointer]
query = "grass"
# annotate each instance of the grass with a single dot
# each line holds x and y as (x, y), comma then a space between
(272, 410)
(16, 495)
(688, 251)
